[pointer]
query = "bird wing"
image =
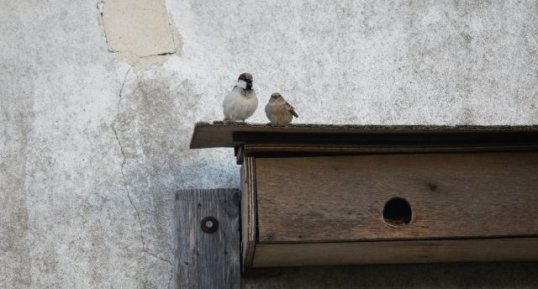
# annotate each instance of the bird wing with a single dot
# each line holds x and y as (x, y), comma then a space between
(291, 109)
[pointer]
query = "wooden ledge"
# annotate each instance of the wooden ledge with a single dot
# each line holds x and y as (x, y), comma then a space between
(218, 134)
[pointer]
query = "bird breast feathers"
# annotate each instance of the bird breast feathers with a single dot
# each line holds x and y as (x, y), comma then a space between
(237, 103)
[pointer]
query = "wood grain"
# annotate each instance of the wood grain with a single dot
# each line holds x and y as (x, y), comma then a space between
(208, 260)
(452, 195)
(260, 150)
(248, 212)
(207, 135)
(418, 251)
(285, 150)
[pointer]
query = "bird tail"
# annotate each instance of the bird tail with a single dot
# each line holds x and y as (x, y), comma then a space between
(294, 113)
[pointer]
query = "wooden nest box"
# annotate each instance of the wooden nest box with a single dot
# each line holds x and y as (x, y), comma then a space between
(331, 195)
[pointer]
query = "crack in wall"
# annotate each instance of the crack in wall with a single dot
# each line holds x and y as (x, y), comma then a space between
(145, 249)
(125, 29)
(171, 276)
(124, 160)
(121, 92)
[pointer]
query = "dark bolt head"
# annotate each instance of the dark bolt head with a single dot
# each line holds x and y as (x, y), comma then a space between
(209, 225)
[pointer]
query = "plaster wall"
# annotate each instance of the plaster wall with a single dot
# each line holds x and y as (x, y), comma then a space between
(96, 113)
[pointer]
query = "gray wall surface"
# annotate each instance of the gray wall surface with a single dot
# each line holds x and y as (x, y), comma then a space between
(98, 101)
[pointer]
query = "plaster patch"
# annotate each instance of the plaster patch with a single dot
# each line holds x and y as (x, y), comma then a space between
(140, 31)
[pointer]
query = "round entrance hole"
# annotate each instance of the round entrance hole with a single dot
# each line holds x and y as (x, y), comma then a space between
(397, 212)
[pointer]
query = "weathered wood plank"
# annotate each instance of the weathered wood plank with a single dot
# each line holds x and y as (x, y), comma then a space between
(285, 150)
(208, 259)
(261, 150)
(341, 199)
(416, 251)
(248, 211)
(207, 135)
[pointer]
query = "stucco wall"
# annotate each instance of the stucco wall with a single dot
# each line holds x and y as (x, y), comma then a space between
(98, 100)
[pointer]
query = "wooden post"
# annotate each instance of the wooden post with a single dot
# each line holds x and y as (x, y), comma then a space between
(207, 254)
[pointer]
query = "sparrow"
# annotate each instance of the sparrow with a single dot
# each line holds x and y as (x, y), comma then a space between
(279, 111)
(241, 102)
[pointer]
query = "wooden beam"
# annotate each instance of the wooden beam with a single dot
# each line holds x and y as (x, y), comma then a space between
(304, 150)
(231, 135)
(387, 252)
(248, 211)
(208, 249)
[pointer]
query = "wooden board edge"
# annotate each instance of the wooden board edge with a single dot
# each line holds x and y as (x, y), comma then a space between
(218, 134)
(391, 252)
(248, 212)
(255, 150)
